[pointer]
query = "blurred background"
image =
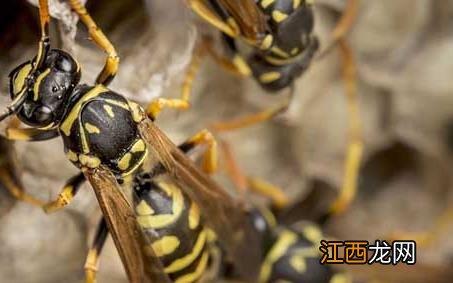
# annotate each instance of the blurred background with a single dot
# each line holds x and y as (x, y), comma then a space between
(404, 54)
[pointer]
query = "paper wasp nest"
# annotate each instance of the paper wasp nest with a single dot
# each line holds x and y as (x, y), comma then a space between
(405, 67)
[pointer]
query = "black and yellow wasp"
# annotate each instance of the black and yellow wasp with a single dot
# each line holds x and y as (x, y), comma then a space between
(189, 251)
(279, 34)
(109, 138)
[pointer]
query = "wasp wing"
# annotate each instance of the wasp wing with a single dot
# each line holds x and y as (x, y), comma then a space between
(224, 215)
(129, 239)
(250, 18)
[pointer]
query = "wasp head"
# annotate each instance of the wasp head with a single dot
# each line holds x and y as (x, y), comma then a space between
(47, 88)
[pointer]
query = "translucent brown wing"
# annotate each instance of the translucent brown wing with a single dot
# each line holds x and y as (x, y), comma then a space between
(127, 235)
(249, 17)
(223, 214)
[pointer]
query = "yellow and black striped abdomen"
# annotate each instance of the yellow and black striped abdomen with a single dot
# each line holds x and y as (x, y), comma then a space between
(174, 221)
(295, 257)
(101, 128)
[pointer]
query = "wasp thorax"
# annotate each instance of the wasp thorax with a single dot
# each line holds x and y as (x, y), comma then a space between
(48, 88)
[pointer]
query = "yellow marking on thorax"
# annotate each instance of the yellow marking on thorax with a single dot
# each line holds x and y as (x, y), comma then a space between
(89, 161)
(276, 50)
(285, 240)
(163, 220)
(340, 278)
(241, 65)
(186, 260)
(201, 267)
(136, 165)
(144, 209)
(266, 3)
(38, 84)
(75, 111)
(296, 4)
(139, 146)
(279, 16)
(165, 245)
(269, 77)
(294, 51)
(137, 111)
(267, 42)
(92, 129)
(117, 103)
(194, 216)
(312, 233)
(19, 81)
(83, 138)
(125, 161)
(109, 111)
(298, 264)
(72, 156)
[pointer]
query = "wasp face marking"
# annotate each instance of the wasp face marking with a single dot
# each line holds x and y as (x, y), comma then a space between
(47, 89)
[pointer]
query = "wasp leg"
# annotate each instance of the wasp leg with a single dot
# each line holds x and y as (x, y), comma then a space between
(250, 120)
(44, 42)
(355, 143)
(31, 134)
(66, 195)
(209, 163)
(237, 66)
(233, 63)
(156, 106)
(278, 198)
(343, 26)
(8, 181)
(112, 61)
(228, 25)
(245, 184)
(92, 260)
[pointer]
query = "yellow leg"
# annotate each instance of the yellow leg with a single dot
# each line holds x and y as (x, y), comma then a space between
(204, 11)
(111, 64)
(8, 181)
(210, 155)
(250, 120)
(157, 105)
(355, 143)
(30, 134)
(343, 26)
(92, 260)
(233, 170)
(244, 184)
(235, 65)
(275, 194)
(194, 66)
(67, 194)
(44, 42)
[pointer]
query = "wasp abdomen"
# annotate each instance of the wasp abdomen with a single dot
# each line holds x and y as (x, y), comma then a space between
(295, 256)
(174, 221)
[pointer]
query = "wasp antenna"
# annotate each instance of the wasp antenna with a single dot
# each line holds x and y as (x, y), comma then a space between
(15, 105)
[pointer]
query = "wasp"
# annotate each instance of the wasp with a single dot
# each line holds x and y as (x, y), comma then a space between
(189, 250)
(109, 137)
(282, 44)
